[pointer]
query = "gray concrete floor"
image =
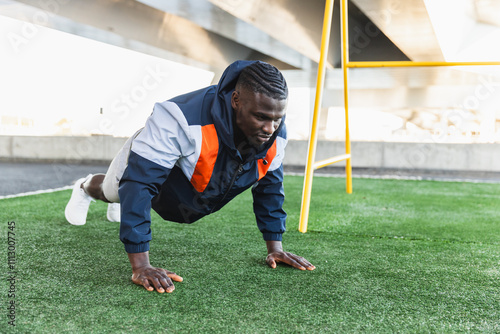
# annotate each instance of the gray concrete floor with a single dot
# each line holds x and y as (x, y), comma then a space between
(18, 178)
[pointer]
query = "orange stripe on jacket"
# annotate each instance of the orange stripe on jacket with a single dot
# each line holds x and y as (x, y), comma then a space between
(271, 154)
(208, 155)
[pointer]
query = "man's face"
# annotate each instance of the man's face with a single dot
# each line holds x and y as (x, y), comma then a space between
(257, 115)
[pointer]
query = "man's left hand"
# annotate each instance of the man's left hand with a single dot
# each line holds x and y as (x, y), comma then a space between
(276, 254)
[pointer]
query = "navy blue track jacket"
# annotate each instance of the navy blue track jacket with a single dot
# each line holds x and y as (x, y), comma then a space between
(184, 165)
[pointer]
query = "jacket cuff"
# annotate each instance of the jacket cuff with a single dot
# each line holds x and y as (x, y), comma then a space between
(137, 248)
(272, 236)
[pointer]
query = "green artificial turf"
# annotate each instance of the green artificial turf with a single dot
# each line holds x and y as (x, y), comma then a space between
(394, 256)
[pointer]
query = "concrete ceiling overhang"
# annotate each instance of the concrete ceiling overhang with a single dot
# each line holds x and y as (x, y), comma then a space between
(438, 30)
(213, 18)
(131, 24)
(465, 29)
(407, 24)
(488, 11)
(211, 33)
(296, 23)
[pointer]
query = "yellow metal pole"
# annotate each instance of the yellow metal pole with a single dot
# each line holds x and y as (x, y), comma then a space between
(345, 61)
(365, 64)
(330, 161)
(308, 177)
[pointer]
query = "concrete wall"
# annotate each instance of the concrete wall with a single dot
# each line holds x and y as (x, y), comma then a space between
(426, 156)
(70, 149)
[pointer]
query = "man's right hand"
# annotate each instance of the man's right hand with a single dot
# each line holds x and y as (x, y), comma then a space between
(157, 279)
(149, 277)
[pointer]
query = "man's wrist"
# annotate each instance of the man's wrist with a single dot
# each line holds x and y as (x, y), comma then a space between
(274, 246)
(138, 260)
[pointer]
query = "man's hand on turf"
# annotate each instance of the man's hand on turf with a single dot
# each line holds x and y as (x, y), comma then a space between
(276, 254)
(151, 278)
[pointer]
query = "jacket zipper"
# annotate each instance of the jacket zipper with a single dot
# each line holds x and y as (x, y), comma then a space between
(238, 171)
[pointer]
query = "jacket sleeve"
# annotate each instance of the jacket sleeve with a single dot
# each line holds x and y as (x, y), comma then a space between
(164, 139)
(141, 181)
(268, 196)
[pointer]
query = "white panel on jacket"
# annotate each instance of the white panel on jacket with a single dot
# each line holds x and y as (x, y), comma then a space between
(280, 153)
(166, 136)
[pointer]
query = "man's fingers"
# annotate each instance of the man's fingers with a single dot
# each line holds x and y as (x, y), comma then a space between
(309, 266)
(136, 279)
(174, 276)
(145, 284)
(306, 264)
(156, 279)
(158, 286)
(290, 259)
(167, 284)
(270, 261)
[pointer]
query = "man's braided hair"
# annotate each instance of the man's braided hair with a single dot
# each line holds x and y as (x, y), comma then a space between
(264, 78)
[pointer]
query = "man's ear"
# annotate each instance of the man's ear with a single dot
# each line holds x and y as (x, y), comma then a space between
(235, 100)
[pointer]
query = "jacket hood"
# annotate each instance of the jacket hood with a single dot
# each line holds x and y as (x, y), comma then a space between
(222, 111)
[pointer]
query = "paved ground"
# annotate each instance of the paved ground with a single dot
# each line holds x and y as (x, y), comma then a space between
(18, 178)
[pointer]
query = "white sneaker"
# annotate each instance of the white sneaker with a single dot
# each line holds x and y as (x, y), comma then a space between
(78, 205)
(113, 212)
